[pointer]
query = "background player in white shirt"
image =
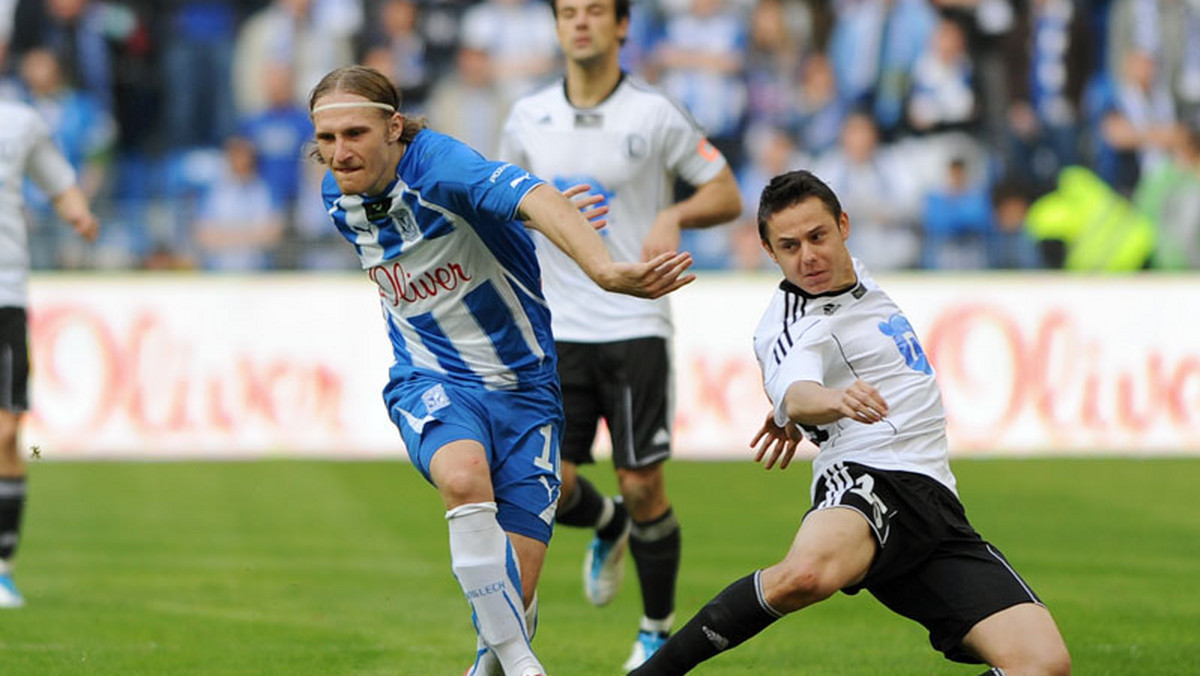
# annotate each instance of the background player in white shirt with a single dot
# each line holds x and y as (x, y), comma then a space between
(628, 142)
(26, 150)
(840, 360)
(473, 389)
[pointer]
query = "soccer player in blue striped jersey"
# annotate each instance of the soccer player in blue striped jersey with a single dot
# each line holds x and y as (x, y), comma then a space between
(841, 361)
(441, 231)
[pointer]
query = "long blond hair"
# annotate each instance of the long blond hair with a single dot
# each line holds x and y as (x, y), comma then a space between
(373, 86)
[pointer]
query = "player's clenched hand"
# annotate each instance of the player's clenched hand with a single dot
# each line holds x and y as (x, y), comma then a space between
(587, 204)
(652, 279)
(862, 403)
(774, 443)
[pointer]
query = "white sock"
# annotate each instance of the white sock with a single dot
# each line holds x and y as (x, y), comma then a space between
(657, 626)
(486, 663)
(606, 513)
(479, 555)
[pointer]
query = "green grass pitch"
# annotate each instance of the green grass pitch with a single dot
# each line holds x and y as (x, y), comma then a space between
(296, 568)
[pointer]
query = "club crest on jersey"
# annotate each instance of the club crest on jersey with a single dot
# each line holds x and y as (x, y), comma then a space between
(636, 146)
(406, 223)
(435, 398)
(901, 331)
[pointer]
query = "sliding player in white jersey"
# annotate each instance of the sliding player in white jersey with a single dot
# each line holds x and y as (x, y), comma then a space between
(26, 150)
(473, 388)
(628, 142)
(840, 360)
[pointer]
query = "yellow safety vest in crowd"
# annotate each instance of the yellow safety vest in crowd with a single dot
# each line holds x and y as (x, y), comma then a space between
(1101, 229)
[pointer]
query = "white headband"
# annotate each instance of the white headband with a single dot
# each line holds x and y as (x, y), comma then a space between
(354, 104)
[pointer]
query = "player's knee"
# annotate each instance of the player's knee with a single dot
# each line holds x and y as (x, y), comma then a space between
(1055, 661)
(798, 584)
(465, 485)
(1045, 660)
(643, 489)
(8, 441)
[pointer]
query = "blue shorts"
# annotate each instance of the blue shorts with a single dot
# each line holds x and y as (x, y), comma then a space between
(521, 431)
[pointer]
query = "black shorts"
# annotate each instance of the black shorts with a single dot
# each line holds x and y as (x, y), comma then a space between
(627, 384)
(931, 565)
(14, 360)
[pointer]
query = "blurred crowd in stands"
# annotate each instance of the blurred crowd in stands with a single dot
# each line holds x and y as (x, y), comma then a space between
(961, 134)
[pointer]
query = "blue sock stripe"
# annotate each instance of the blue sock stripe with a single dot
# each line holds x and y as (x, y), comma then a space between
(511, 567)
(518, 611)
(514, 578)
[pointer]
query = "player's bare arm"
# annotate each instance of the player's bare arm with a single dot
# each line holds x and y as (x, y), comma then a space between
(810, 403)
(774, 444)
(715, 201)
(550, 213)
(71, 206)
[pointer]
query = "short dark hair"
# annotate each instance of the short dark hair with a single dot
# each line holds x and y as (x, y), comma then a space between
(621, 7)
(789, 189)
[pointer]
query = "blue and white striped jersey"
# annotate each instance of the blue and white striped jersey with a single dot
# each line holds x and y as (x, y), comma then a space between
(457, 274)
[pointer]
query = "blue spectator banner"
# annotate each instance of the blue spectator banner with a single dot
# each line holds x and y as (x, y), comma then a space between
(192, 366)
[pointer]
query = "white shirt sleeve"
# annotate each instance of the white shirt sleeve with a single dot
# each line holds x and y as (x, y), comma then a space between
(687, 151)
(805, 361)
(46, 166)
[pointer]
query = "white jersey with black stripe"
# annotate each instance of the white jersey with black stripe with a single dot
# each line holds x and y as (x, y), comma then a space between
(836, 338)
(26, 149)
(629, 149)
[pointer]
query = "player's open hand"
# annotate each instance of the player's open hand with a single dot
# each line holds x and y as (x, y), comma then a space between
(654, 278)
(774, 443)
(587, 204)
(862, 403)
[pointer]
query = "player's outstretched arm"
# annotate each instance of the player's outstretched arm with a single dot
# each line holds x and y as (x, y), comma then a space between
(71, 206)
(810, 403)
(550, 213)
